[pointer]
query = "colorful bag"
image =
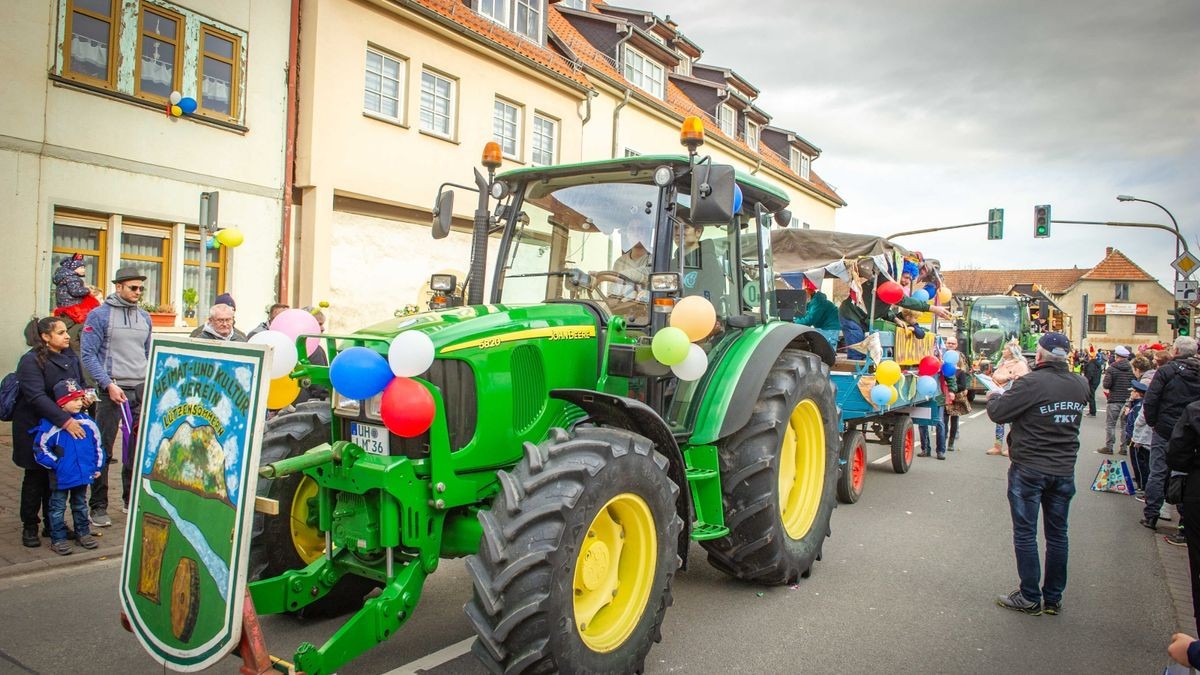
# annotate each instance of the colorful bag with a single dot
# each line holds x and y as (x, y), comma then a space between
(1114, 476)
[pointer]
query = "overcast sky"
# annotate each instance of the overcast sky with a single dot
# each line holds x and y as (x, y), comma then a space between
(931, 112)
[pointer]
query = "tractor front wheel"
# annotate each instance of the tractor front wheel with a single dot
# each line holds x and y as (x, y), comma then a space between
(574, 570)
(778, 476)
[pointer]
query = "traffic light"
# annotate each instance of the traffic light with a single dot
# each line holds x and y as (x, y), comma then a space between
(1041, 221)
(1183, 320)
(995, 224)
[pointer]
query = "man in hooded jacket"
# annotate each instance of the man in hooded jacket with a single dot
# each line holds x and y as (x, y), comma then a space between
(1117, 378)
(116, 353)
(1174, 386)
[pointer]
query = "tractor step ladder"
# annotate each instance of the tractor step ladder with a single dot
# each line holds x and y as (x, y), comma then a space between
(699, 479)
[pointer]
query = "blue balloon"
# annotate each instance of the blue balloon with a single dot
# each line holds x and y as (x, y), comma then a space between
(359, 373)
(737, 198)
(881, 394)
(951, 356)
(926, 385)
(949, 369)
(931, 290)
(188, 105)
(920, 294)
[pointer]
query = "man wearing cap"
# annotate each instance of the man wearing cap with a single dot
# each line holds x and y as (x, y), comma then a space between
(1116, 381)
(1175, 385)
(1045, 409)
(116, 353)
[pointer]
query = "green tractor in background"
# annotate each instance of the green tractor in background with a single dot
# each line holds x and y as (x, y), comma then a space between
(569, 465)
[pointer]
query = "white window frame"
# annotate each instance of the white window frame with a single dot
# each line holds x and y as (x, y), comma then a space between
(496, 10)
(545, 145)
(640, 70)
(794, 160)
(752, 135)
(805, 166)
(510, 146)
(451, 103)
(685, 66)
(727, 120)
(402, 71)
(575, 4)
(536, 8)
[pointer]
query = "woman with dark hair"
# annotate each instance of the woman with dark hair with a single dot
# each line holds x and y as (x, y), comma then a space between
(50, 361)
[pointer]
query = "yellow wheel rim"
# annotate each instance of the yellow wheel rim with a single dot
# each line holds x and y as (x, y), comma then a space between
(614, 572)
(308, 540)
(801, 469)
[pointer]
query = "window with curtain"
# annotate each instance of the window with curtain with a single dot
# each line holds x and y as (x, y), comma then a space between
(384, 82)
(87, 49)
(150, 254)
(214, 268)
(219, 54)
(437, 104)
(496, 10)
(527, 19)
(88, 241)
(727, 119)
(1097, 323)
(158, 65)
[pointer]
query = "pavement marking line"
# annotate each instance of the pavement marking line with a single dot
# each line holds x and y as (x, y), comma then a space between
(974, 415)
(435, 659)
(882, 460)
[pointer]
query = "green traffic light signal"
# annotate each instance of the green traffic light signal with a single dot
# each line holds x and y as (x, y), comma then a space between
(1041, 221)
(995, 224)
(1183, 321)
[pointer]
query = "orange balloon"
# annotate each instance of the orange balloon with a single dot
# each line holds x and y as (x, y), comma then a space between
(282, 392)
(694, 315)
(944, 295)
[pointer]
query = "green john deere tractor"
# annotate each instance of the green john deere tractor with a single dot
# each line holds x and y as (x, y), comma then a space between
(565, 462)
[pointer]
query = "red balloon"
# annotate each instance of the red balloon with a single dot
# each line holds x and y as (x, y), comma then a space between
(890, 292)
(929, 366)
(407, 407)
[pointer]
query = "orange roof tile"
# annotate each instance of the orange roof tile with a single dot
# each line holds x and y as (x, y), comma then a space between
(1116, 266)
(996, 282)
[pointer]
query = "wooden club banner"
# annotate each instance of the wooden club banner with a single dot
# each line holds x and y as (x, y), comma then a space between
(183, 578)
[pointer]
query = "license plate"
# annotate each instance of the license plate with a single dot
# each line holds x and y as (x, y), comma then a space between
(369, 437)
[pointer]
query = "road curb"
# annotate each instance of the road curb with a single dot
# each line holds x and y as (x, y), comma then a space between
(80, 555)
(1177, 573)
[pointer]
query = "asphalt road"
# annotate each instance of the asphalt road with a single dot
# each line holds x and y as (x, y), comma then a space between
(907, 585)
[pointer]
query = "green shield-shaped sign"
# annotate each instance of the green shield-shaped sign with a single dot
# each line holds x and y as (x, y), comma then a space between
(191, 505)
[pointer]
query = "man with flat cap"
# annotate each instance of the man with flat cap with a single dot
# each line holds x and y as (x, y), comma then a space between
(1045, 409)
(116, 353)
(1117, 378)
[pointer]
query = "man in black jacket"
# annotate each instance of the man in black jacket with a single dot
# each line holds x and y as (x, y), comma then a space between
(1091, 372)
(1174, 386)
(1117, 378)
(1045, 409)
(1183, 454)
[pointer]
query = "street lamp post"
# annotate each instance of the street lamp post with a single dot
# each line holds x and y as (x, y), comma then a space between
(1178, 236)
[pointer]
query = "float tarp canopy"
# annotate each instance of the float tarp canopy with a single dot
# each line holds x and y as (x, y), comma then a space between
(797, 250)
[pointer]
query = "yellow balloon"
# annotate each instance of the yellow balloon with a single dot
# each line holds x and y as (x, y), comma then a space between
(895, 395)
(694, 315)
(888, 372)
(176, 111)
(944, 295)
(282, 392)
(231, 236)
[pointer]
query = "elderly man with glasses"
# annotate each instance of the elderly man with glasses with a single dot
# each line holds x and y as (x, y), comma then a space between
(220, 325)
(116, 353)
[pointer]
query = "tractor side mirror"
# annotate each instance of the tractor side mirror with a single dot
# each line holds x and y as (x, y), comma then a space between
(712, 194)
(443, 214)
(783, 217)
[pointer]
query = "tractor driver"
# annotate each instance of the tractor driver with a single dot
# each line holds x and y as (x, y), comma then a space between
(635, 262)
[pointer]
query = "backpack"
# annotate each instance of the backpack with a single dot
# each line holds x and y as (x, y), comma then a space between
(10, 390)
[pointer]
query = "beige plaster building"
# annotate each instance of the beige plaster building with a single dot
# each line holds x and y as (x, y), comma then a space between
(92, 162)
(399, 97)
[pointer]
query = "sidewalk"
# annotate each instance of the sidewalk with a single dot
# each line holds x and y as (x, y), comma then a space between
(16, 559)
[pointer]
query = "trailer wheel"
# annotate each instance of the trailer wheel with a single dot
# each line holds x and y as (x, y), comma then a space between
(854, 471)
(291, 539)
(903, 444)
(779, 475)
(578, 553)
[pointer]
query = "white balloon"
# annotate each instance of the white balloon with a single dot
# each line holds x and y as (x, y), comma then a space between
(693, 366)
(283, 349)
(410, 354)
(175, 98)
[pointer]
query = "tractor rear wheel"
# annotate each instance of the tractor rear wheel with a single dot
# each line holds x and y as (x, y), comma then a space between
(904, 436)
(291, 540)
(854, 471)
(778, 476)
(574, 570)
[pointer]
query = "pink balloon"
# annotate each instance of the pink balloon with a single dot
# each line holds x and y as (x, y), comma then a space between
(295, 322)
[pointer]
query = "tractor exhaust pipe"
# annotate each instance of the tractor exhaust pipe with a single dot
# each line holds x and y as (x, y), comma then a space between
(479, 242)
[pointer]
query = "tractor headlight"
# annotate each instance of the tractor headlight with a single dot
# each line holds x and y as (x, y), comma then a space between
(665, 282)
(373, 408)
(442, 282)
(345, 407)
(664, 176)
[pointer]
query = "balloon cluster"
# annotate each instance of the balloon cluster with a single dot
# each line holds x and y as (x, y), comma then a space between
(692, 319)
(179, 105)
(229, 236)
(928, 367)
(407, 407)
(281, 337)
(887, 374)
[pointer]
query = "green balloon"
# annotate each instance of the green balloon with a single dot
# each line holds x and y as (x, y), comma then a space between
(670, 346)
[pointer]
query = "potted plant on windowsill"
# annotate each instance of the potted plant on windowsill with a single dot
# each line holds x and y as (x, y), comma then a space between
(190, 299)
(160, 315)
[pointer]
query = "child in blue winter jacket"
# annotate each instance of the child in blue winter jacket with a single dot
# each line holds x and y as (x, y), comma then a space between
(74, 463)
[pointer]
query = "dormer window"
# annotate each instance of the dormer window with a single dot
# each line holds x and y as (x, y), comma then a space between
(805, 165)
(684, 67)
(727, 120)
(523, 17)
(752, 135)
(643, 72)
(575, 4)
(794, 160)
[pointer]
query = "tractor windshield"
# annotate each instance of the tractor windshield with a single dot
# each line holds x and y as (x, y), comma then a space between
(994, 321)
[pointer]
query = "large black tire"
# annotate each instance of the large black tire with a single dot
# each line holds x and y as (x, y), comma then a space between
(766, 543)
(541, 560)
(854, 471)
(904, 443)
(276, 546)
